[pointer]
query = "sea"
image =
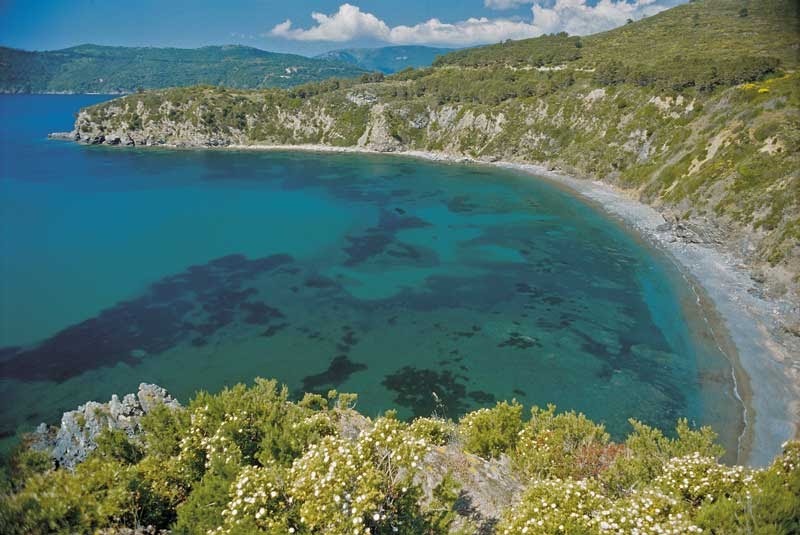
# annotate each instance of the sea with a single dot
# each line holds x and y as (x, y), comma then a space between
(430, 288)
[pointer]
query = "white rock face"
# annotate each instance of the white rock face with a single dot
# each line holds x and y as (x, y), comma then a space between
(76, 437)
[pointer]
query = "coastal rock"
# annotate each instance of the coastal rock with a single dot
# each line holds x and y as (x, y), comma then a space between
(66, 136)
(76, 437)
(486, 486)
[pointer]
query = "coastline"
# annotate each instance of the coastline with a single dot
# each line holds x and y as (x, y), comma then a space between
(764, 360)
(765, 373)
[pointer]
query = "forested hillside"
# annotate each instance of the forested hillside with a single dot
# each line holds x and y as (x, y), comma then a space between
(106, 69)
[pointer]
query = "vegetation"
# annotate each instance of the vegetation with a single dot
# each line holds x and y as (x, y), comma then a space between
(249, 460)
(105, 69)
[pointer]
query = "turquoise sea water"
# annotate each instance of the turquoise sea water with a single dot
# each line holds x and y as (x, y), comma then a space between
(386, 276)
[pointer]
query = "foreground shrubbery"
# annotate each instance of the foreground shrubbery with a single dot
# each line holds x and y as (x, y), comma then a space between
(249, 460)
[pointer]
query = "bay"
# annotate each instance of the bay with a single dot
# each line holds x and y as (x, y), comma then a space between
(390, 277)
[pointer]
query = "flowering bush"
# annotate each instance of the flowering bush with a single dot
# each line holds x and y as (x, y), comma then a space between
(249, 460)
(647, 451)
(769, 504)
(553, 506)
(695, 479)
(647, 511)
(259, 502)
(550, 445)
(362, 486)
(436, 431)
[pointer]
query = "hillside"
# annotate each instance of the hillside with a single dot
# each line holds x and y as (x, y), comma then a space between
(389, 59)
(250, 460)
(695, 111)
(105, 69)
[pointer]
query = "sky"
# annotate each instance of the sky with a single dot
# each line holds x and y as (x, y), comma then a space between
(305, 27)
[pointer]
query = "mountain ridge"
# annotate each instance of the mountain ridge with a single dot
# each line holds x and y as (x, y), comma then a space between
(89, 68)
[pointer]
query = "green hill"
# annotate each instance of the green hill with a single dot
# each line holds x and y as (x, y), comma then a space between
(695, 111)
(104, 69)
(389, 59)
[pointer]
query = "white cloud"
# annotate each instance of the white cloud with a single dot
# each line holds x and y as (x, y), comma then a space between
(345, 25)
(468, 32)
(573, 16)
(576, 17)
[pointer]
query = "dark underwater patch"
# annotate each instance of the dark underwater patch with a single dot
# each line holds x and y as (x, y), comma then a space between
(260, 313)
(272, 330)
(348, 339)
(192, 305)
(376, 240)
(520, 341)
(319, 281)
(481, 397)
(461, 204)
(339, 371)
(426, 391)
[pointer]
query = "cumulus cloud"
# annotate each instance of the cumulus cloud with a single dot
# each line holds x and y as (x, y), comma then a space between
(573, 16)
(345, 25)
(350, 23)
(576, 17)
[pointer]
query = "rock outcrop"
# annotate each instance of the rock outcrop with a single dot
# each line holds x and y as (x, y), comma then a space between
(71, 442)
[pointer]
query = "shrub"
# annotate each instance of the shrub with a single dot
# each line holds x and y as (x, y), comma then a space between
(647, 451)
(491, 432)
(560, 445)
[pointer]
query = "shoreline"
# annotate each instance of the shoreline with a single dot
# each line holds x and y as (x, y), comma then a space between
(764, 369)
(765, 376)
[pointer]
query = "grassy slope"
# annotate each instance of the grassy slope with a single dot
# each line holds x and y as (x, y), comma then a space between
(92, 68)
(696, 109)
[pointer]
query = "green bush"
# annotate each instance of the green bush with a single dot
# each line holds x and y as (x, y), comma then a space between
(491, 432)
(560, 445)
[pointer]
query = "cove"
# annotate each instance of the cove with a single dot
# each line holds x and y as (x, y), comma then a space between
(389, 277)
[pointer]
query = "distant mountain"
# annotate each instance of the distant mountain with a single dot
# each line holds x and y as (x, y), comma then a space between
(388, 59)
(105, 69)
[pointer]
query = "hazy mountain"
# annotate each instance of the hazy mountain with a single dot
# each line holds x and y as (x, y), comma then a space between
(387, 59)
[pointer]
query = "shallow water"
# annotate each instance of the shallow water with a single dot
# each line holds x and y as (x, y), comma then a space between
(390, 277)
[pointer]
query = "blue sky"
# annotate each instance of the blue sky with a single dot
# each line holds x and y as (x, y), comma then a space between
(305, 26)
